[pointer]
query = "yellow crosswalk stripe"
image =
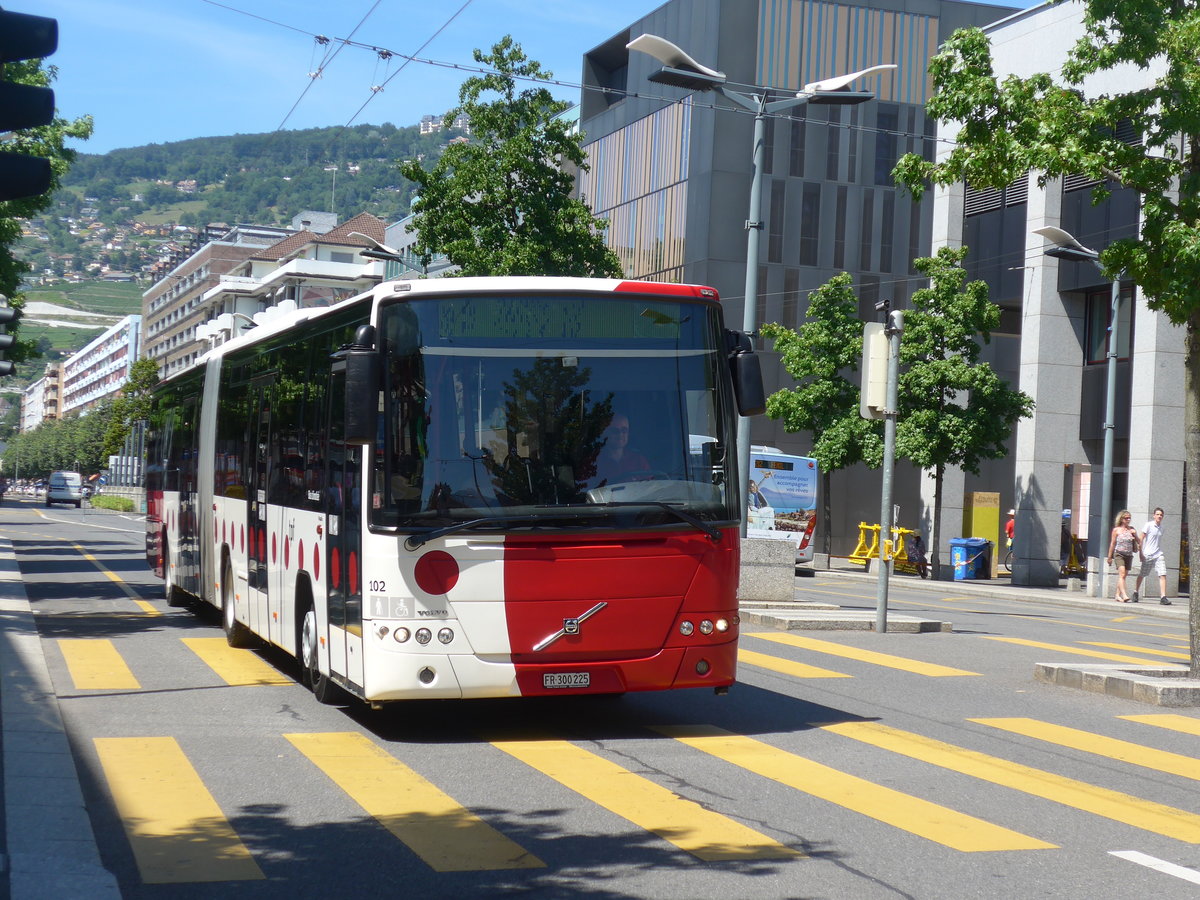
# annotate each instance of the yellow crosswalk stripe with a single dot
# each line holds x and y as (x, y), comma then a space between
(448, 837)
(1166, 653)
(1075, 651)
(1173, 721)
(176, 829)
(786, 666)
(688, 825)
(95, 665)
(1124, 808)
(920, 817)
(904, 664)
(235, 667)
(1100, 745)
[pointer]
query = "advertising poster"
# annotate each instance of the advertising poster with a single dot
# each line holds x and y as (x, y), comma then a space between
(783, 499)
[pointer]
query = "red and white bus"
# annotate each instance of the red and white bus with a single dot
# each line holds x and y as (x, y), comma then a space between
(466, 487)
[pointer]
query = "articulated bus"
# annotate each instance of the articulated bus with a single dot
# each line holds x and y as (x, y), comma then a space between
(466, 487)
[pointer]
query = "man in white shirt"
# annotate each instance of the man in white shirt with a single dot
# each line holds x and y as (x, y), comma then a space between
(1152, 557)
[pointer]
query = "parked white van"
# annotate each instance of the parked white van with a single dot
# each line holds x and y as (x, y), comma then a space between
(65, 487)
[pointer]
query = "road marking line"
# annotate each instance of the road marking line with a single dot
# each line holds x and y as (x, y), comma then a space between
(1173, 721)
(786, 666)
(706, 835)
(868, 656)
(235, 667)
(1141, 619)
(176, 829)
(1095, 654)
(447, 836)
(939, 824)
(95, 665)
(1125, 808)
(146, 607)
(1159, 865)
(1099, 745)
(1166, 653)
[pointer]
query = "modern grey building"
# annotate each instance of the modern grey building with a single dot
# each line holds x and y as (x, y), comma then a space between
(1059, 315)
(671, 171)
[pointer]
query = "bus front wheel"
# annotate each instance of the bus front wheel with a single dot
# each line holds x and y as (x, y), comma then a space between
(236, 634)
(323, 689)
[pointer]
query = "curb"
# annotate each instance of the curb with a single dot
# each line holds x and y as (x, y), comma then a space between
(51, 850)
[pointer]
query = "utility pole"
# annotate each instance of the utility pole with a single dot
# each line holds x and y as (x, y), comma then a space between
(893, 329)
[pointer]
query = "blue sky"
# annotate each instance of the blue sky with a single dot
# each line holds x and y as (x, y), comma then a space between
(153, 71)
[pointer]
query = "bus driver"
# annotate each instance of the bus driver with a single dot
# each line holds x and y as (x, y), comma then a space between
(616, 461)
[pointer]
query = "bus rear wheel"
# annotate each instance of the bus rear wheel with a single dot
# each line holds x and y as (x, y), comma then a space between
(236, 634)
(323, 689)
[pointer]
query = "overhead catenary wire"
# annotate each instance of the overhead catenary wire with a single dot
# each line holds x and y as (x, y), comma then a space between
(325, 61)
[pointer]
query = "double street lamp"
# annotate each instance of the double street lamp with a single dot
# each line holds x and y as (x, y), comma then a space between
(1063, 245)
(680, 70)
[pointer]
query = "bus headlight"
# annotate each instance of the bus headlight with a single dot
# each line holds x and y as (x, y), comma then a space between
(401, 634)
(686, 628)
(446, 635)
(722, 625)
(424, 635)
(706, 627)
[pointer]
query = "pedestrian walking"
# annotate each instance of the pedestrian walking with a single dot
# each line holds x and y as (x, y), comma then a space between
(1122, 544)
(1153, 560)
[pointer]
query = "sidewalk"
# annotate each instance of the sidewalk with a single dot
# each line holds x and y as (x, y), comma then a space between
(50, 850)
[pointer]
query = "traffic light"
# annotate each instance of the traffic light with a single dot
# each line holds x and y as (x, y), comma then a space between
(24, 106)
(7, 314)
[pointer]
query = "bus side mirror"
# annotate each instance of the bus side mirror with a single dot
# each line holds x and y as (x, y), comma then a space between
(362, 387)
(747, 376)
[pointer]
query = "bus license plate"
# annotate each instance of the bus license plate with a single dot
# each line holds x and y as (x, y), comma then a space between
(566, 679)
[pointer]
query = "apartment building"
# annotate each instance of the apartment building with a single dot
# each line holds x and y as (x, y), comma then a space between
(172, 308)
(100, 370)
(303, 270)
(41, 400)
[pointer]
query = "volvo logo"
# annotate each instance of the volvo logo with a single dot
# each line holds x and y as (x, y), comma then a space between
(570, 626)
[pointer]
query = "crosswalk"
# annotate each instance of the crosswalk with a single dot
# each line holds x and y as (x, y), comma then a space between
(178, 832)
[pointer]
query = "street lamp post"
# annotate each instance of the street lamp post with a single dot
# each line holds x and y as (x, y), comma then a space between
(1065, 246)
(680, 70)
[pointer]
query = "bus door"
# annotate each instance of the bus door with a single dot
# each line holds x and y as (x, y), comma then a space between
(187, 434)
(258, 473)
(343, 569)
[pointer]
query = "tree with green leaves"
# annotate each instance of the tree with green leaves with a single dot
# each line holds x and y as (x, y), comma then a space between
(132, 405)
(1049, 124)
(953, 409)
(825, 402)
(46, 141)
(500, 203)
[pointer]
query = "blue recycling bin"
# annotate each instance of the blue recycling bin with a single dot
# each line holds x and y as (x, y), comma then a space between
(971, 558)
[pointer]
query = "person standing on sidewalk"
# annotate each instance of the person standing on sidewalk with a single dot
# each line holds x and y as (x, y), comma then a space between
(1152, 557)
(1123, 544)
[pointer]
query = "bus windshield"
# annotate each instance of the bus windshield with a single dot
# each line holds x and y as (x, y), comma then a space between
(552, 411)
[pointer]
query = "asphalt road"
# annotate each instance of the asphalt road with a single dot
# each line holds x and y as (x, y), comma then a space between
(843, 765)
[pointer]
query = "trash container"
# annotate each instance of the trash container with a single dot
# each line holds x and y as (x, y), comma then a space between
(971, 558)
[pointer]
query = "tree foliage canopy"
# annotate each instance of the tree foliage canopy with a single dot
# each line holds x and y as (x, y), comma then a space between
(501, 203)
(825, 402)
(954, 410)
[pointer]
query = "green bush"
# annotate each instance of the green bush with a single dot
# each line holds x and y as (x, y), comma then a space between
(120, 504)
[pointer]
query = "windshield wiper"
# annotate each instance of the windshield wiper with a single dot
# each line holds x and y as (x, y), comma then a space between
(713, 534)
(414, 541)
